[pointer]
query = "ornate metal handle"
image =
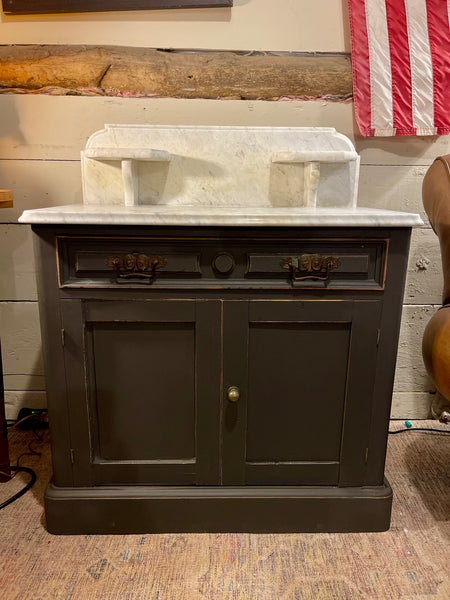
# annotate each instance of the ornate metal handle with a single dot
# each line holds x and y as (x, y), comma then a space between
(135, 265)
(315, 264)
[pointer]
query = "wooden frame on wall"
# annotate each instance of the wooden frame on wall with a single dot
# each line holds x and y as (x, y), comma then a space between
(67, 6)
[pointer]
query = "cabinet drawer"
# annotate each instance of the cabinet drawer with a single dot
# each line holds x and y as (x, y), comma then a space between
(221, 263)
(110, 262)
(351, 264)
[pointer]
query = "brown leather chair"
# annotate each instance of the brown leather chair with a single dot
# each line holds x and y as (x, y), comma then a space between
(436, 339)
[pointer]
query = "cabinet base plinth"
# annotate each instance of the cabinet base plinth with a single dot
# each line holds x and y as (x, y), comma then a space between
(164, 509)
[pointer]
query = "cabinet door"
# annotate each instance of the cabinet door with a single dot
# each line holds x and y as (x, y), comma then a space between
(305, 372)
(142, 390)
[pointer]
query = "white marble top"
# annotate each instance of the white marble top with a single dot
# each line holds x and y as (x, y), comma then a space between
(202, 215)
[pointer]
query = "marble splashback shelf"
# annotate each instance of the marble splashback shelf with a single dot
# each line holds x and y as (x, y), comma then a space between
(129, 158)
(136, 165)
(127, 154)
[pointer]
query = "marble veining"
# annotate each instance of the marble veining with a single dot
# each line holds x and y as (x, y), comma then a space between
(219, 215)
(225, 166)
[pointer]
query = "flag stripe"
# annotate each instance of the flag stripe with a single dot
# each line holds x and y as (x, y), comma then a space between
(421, 66)
(382, 115)
(360, 66)
(400, 67)
(439, 37)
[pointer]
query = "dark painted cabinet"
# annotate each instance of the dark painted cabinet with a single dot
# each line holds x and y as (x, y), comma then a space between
(306, 371)
(140, 386)
(219, 379)
(144, 384)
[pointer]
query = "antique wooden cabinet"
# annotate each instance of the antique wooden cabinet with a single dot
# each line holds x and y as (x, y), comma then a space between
(219, 378)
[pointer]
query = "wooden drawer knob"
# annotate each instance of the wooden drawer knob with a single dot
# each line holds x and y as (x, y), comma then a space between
(223, 263)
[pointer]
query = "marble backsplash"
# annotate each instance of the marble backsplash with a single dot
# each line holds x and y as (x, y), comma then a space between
(136, 165)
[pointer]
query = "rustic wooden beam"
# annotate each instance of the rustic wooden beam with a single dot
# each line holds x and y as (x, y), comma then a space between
(125, 71)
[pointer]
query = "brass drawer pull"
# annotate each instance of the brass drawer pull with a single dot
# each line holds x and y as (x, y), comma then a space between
(314, 264)
(135, 265)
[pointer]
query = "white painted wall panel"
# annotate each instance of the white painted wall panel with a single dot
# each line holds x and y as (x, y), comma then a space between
(15, 400)
(21, 340)
(411, 375)
(277, 25)
(394, 187)
(17, 270)
(38, 184)
(411, 405)
(29, 383)
(424, 281)
(31, 126)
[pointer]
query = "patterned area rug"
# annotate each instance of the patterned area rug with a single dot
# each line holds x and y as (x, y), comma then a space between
(410, 561)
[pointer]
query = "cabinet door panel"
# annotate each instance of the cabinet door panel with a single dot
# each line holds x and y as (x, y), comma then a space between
(142, 398)
(305, 384)
(297, 376)
(144, 390)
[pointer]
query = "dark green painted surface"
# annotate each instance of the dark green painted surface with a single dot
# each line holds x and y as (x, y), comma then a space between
(253, 262)
(221, 509)
(140, 399)
(290, 391)
(136, 392)
(144, 390)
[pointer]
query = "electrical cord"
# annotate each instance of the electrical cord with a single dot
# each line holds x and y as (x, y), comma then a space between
(17, 468)
(14, 424)
(441, 431)
(32, 452)
(34, 414)
(21, 492)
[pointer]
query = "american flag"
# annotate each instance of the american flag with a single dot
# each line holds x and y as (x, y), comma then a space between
(401, 66)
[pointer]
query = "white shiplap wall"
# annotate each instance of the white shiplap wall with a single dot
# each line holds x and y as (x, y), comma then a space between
(40, 142)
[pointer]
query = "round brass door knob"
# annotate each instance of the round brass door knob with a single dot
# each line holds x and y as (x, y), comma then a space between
(233, 393)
